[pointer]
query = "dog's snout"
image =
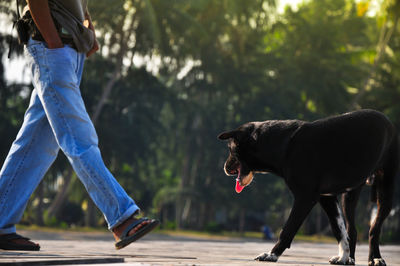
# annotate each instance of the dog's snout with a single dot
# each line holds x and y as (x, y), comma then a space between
(233, 172)
(231, 166)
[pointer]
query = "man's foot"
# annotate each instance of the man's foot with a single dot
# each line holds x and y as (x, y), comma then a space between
(117, 232)
(132, 229)
(16, 242)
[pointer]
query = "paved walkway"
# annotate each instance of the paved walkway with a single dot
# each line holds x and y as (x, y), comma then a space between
(155, 249)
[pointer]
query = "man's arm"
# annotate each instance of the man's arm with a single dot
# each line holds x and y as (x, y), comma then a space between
(41, 15)
(88, 24)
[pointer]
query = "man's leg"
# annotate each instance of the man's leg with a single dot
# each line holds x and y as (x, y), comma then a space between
(30, 156)
(58, 90)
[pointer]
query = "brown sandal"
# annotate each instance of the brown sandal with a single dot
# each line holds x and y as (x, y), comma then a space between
(126, 239)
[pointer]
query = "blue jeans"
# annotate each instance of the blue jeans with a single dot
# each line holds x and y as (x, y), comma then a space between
(56, 118)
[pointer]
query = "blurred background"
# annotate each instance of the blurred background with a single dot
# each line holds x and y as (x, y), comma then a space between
(172, 74)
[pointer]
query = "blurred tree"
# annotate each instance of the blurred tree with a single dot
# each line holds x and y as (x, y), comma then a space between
(388, 19)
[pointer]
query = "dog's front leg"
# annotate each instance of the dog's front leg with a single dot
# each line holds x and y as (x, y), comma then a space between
(300, 210)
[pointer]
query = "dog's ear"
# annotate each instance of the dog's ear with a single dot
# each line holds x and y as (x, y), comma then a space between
(237, 134)
(240, 134)
(227, 135)
(254, 137)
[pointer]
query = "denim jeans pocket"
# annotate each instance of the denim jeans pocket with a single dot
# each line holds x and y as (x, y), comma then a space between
(34, 45)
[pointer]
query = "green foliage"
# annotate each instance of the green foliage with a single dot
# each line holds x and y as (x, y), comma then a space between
(213, 227)
(169, 225)
(50, 221)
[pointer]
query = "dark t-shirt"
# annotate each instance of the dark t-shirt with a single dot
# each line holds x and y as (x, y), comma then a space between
(76, 7)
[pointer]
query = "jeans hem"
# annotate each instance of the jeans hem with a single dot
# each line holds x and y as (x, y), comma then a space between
(131, 210)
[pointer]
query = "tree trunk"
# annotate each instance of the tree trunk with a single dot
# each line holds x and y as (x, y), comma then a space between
(242, 220)
(90, 219)
(318, 227)
(39, 209)
(202, 216)
(180, 202)
(62, 193)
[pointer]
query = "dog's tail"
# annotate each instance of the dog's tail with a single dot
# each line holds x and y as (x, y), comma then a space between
(390, 170)
(371, 181)
(373, 193)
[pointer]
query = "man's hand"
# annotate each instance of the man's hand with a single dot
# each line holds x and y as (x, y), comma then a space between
(94, 48)
(40, 12)
(88, 24)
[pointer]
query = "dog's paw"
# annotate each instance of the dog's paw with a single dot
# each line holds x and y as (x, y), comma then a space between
(342, 261)
(351, 261)
(377, 262)
(267, 257)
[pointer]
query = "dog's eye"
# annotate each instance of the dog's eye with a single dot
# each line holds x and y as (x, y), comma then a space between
(233, 147)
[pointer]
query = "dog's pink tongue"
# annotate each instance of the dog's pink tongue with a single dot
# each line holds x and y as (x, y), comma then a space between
(238, 187)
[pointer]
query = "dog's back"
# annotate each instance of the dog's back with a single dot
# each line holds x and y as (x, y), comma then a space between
(342, 151)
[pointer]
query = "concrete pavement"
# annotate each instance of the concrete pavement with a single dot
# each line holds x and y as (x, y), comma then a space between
(68, 248)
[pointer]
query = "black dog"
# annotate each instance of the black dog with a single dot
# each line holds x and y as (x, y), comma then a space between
(319, 160)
